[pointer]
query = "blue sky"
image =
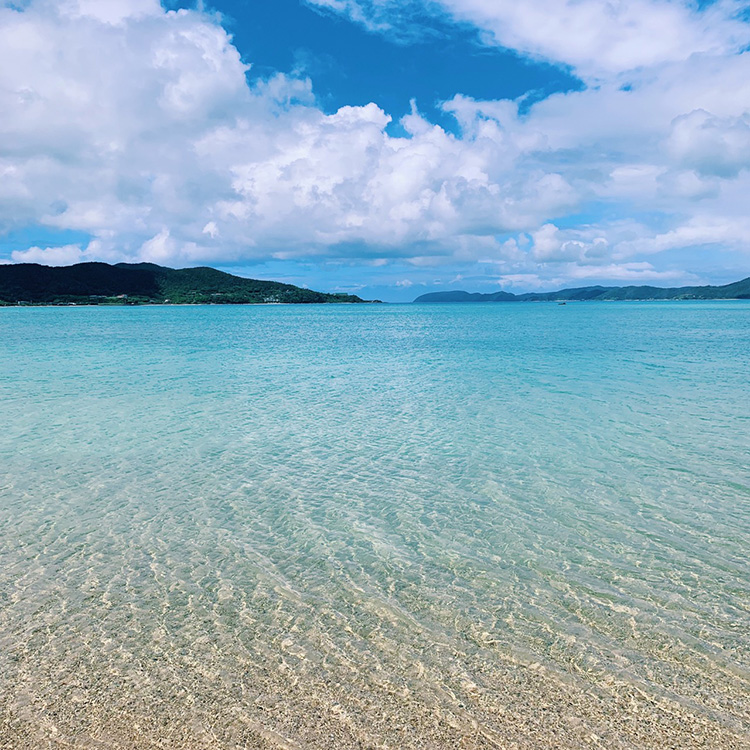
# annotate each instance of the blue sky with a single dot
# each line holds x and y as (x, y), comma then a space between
(350, 65)
(386, 148)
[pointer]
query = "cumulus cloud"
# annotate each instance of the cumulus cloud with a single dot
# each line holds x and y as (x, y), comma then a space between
(599, 38)
(164, 151)
(138, 126)
(710, 145)
(64, 255)
(704, 230)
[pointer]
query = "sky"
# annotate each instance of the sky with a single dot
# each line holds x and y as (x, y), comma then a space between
(381, 147)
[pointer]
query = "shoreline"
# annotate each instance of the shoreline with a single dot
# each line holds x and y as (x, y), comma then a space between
(369, 303)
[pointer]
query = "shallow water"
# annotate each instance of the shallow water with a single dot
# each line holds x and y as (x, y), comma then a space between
(501, 525)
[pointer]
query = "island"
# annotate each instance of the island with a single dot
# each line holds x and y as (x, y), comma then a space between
(145, 283)
(737, 290)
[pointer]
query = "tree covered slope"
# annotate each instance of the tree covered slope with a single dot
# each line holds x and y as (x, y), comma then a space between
(132, 283)
(737, 290)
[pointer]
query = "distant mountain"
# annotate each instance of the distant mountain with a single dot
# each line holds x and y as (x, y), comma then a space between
(136, 283)
(467, 297)
(737, 290)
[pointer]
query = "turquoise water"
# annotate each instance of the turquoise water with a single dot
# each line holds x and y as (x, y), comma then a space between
(506, 525)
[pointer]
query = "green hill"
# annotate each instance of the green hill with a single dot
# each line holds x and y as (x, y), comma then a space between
(136, 283)
(737, 290)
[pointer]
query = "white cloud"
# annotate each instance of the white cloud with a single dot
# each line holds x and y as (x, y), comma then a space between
(50, 256)
(211, 230)
(699, 231)
(598, 38)
(163, 151)
(159, 248)
(109, 11)
(710, 145)
(634, 273)
(688, 184)
(525, 282)
(138, 126)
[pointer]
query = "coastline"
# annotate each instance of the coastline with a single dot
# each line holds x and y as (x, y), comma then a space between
(369, 302)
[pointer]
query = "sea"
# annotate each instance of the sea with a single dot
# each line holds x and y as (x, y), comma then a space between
(499, 525)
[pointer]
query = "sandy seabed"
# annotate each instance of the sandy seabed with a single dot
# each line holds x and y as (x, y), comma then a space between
(179, 701)
(375, 528)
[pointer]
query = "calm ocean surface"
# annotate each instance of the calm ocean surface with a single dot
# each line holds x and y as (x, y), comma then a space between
(450, 526)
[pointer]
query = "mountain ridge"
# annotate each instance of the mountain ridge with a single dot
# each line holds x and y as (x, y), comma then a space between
(145, 283)
(735, 290)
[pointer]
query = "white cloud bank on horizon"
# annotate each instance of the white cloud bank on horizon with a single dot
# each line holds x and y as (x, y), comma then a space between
(137, 126)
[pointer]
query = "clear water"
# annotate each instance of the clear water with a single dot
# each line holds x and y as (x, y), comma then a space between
(508, 525)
